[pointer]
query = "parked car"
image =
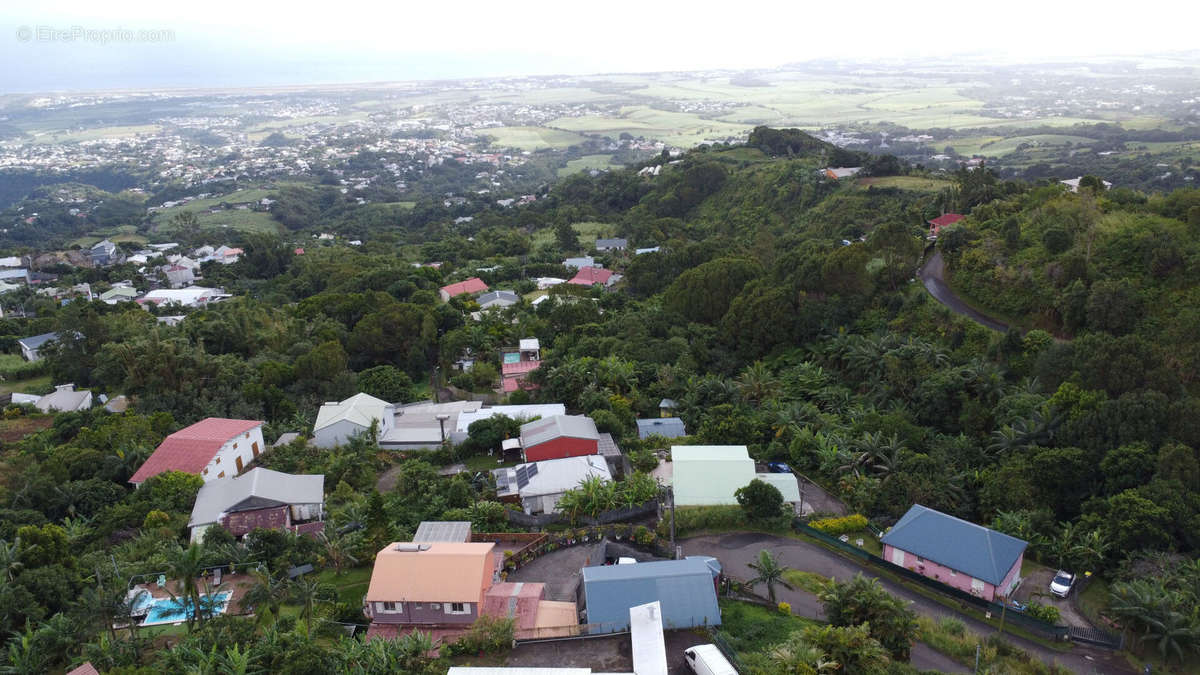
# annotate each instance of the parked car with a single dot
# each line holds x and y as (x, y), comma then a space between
(707, 660)
(779, 467)
(1062, 583)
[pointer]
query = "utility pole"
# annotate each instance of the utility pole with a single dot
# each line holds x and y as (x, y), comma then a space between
(671, 503)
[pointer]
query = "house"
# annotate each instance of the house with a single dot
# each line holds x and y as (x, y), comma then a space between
(430, 584)
(213, 449)
(338, 422)
(15, 275)
(538, 486)
(65, 398)
(651, 249)
(424, 425)
(576, 263)
(1073, 184)
(178, 276)
(260, 498)
(469, 287)
(498, 299)
(840, 172)
(118, 294)
(544, 283)
(684, 588)
(592, 276)
(558, 437)
(524, 413)
(616, 244)
(86, 669)
(958, 553)
(667, 407)
(936, 225)
(105, 253)
(515, 365)
(227, 255)
(452, 531)
(667, 427)
(31, 346)
(192, 296)
(705, 475)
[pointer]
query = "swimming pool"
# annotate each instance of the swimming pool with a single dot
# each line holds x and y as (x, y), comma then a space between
(167, 610)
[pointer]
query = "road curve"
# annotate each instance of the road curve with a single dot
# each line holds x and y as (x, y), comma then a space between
(933, 275)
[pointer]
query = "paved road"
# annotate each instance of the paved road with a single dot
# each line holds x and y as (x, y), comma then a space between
(933, 275)
(736, 551)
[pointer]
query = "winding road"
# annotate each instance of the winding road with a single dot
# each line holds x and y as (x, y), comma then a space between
(933, 275)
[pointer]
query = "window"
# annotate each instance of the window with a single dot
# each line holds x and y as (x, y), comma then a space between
(920, 559)
(217, 460)
(391, 607)
(457, 608)
(953, 573)
(221, 475)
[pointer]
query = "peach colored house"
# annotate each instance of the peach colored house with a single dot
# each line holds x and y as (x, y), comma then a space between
(430, 584)
(972, 558)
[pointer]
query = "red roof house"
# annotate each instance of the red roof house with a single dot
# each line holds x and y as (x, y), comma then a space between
(558, 437)
(213, 448)
(936, 225)
(590, 276)
(469, 287)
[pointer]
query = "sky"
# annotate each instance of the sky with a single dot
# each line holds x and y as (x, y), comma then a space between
(60, 45)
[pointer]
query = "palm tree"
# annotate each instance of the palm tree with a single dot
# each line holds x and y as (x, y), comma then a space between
(10, 557)
(185, 565)
(1174, 634)
(770, 572)
(24, 655)
(336, 551)
(310, 593)
(266, 593)
(757, 383)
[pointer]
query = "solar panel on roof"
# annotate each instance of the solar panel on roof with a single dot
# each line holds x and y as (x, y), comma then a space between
(522, 477)
(533, 468)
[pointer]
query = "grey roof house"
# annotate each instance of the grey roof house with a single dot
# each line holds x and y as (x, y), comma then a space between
(961, 554)
(498, 299)
(615, 244)
(105, 253)
(65, 398)
(31, 345)
(684, 587)
(539, 485)
(667, 427)
(260, 498)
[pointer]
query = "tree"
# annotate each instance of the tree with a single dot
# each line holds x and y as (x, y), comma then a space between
(760, 500)
(387, 382)
(566, 237)
(311, 594)
(863, 602)
(851, 646)
(185, 566)
(770, 572)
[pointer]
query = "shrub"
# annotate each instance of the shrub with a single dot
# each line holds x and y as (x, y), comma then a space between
(760, 500)
(690, 519)
(488, 635)
(1047, 613)
(838, 526)
(784, 608)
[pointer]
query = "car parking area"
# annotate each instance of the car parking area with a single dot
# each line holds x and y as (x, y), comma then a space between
(1036, 586)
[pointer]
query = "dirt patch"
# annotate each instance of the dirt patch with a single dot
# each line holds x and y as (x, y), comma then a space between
(15, 429)
(559, 570)
(611, 654)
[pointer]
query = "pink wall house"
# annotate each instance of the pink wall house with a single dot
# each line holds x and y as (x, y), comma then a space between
(972, 558)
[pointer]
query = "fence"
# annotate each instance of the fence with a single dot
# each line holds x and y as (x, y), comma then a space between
(603, 518)
(1027, 622)
(727, 650)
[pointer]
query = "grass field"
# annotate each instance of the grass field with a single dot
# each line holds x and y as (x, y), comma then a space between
(588, 162)
(96, 133)
(750, 628)
(915, 183)
(34, 385)
(675, 128)
(244, 221)
(588, 233)
(532, 138)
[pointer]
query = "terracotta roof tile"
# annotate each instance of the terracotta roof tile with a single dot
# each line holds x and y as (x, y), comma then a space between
(191, 449)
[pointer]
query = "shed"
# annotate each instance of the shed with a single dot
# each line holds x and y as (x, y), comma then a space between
(667, 427)
(709, 474)
(684, 587)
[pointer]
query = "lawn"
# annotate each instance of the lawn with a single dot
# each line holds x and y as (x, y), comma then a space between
(914, 183)
(751, 628)
(33, 385)
(351, 585)
(588, 162)
(532, 138)
(486, 463)
(588, 232)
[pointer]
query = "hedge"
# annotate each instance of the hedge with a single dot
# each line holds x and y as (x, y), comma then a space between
(855, 522)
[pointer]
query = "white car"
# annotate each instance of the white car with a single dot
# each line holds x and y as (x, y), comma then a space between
(1062, 583)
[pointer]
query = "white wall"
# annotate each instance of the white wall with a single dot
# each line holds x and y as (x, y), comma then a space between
(225, 461)
(338, 433)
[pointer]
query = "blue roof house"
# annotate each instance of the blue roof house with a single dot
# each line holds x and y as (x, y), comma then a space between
(30, 346)
(961, 554)
(684, 587)
(667, 427)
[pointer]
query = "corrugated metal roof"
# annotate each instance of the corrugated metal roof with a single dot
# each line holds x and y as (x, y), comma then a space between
(443, 530)
(668, 427)
(683, 587)
(359, 409)
(958, 544)
(442, 572)
(709, 474)
(516, 412)
(218, 496)
(191, 449)
(548, 429)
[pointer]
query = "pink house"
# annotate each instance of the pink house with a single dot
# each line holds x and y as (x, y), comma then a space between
(972, 558)
(936, 225)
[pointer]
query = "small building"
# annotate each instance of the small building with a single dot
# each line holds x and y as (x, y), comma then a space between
(945, 220)
(684, 588)
(538, 486)
(615, 244)
(104, 253)
(179, 276)
(430, 584)
(558, 437)
(471, 286)
(1073, 184)
(515, 365)
(260, 498)
(338, 422)
(594, 276)
(118, 294)
(576, 263)
(667, 407)
(667, 427)
(192, 296)
(424, 425)
(649, 249)
(839, 172)
(214, 448)
(544, 283)
(498, 299)
(449, 531)
(31, 346)
(523, 413)
(958, 553)
(705, 475)
(65, 398)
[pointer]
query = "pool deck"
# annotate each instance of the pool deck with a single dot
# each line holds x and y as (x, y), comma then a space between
(234, 584)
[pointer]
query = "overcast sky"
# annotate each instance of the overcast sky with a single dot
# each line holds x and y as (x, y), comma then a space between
(244, 42)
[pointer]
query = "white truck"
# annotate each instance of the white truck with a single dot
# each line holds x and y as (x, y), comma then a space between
(707, 660)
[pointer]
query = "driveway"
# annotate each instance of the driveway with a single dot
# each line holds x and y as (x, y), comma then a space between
(1036, 587)
(933, 275)
(737, 550)
(559, 570)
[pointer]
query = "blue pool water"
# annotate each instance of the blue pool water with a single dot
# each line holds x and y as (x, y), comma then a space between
(171, 611)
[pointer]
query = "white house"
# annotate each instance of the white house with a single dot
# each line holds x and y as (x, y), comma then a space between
(539, 485)
(338, 422)
(65, 398)
(192, 296)
(214, 448)
(31, 345)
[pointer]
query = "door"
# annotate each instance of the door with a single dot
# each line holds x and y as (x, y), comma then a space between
(898, 557)
(254, 448)
(977, 586)
(239, 463)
